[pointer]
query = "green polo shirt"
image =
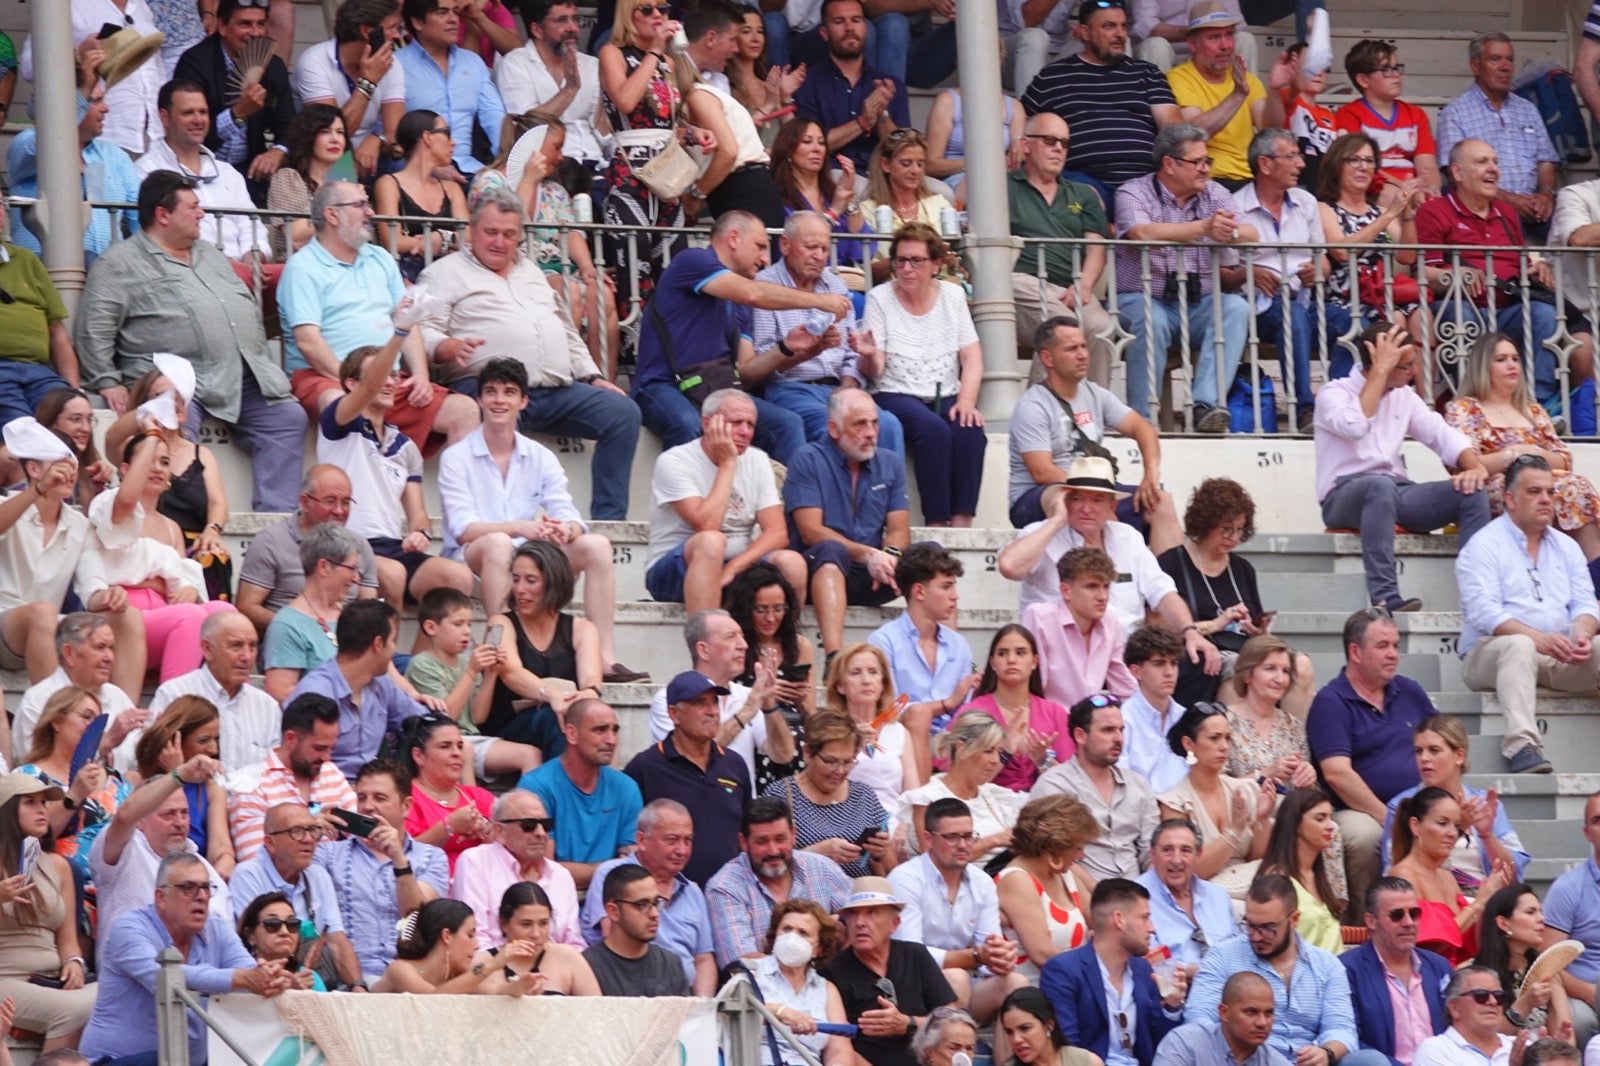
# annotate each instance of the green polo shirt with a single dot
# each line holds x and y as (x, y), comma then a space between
(35, 306)
(1075, 212)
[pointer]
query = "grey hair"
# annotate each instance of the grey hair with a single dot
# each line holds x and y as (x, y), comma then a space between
(698, 627)
(714, 403)
(931, 1032)
(214, 622)
(329, 542)
(1476, 46)
(1544, 1050)
(650, 816)
(792, 224)
(76, 628)
(498, 811)
(1263, 143)
(501, 199)
(1171, 139)
(324, 198)
(171, 861)
(1458, 979)
(837, 401)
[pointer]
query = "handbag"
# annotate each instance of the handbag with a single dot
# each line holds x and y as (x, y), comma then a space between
(670, 172)
(1406, 289)
(697, 380)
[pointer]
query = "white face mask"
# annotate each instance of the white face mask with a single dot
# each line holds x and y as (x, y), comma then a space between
(792, 949)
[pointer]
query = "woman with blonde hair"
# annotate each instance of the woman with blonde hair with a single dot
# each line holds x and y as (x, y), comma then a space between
(95, 791)
(972, 746)
(858, 683)
(1262, 698)
(1043, 899)
(191, 726)
(897, 177)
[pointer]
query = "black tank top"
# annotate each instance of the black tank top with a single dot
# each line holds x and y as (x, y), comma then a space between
(560, 659)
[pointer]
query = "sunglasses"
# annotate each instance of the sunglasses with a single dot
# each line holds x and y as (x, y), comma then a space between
(652, 9)
(1482, 996)
(1048, 139)
(1400, 913)
(528, 825)
(277, 925)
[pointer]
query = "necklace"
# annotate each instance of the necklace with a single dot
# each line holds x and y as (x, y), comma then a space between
(453, 792)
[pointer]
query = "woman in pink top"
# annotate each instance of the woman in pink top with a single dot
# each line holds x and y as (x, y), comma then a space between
(1012, 693)
(488, 28)
(444, 812)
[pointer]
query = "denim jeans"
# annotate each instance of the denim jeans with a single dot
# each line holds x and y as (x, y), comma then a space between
(810, 402)
(1376, 503)
(1158, 333)
(665, 412)
(605, 417)
(922, 61)
(23, 385)
(786, 47)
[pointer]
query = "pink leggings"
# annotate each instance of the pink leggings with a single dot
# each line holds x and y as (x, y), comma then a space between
(172, 630)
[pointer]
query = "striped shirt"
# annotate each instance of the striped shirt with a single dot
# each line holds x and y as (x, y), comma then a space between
(1591, 25)
(248, 810)
(1108, 110)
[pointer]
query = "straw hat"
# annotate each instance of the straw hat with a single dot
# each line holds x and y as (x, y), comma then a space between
(1209, 14)
(126, 51)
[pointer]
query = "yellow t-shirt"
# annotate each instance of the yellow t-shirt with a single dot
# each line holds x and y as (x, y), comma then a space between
(1231, 145)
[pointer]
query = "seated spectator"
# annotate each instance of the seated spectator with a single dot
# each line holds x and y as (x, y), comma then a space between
(96, 792)
(1363, 419)
(496, 303)
(1180, 202)
(1512, 126)
(834, 816)
(748, 69)
(1307, 121)
(351, 434)
(1076, 981)
(1120, 800)
(1509, 938)
(1297, 848)
(1160, 32)
(385, 874)
(1152, 654)
(897, 179)
(1042, 911)
(301, 635)
(296, 771)
(802, 169)
(767, 609)
(518, 850)
(1029, 1023)
(715, 510)
(186, 728)
(1080, 644)
(444, 812)
(313, 147)
(848, 88)
(1246, 1011)
(950, 1031)
(1573, 225)
(885, 1026)
(665, 839)
(123, 1026)
(927, 574)
(86, 647)
(1044, 203)
(1569, 913)
(1489, 287)
(920, 350)
(425, 145)
(272, 574)
(626, 961)
(946, 158)
(1044, 444)
(361, 679)
(242, 112)
(186, 120)
(1476, 1005)
(438, 954)
(1426, 828)
(453, 82)
(1217, 90)
(501, 490)
(143, 296)
(525, 919)
(339, 298)
(445, 665)
(1391, 963)
(1271, 682)
(68, 413)
(596, 805)
(858, 682)
(971, 749)
(270, 932)
(848, 515)
(43, 972)
(1012, 693)
(799, 937)
(1190, 914)
(1401, 131)
(1487, 838)
(1232, 815)
(367, 85)
(702, 300)
(552, 73)
(37, 349)
(953, 911)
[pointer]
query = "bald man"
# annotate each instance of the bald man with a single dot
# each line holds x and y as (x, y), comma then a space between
(1247, 1011)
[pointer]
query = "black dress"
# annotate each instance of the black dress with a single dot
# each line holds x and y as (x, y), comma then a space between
(187, 503)
(536, 725)
(411, 264)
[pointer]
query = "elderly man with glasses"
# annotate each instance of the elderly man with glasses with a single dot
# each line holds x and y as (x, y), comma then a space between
(1477, 1005)
(1390, 964)
(518, 850)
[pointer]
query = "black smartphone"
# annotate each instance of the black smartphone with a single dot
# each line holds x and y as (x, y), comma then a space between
(376, 39)
(795, 672)
(357, 825)
(1264, 619)
(867, 834)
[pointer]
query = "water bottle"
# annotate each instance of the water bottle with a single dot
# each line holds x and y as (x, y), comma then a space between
(949, 223)
(583, 207)
(818, 321)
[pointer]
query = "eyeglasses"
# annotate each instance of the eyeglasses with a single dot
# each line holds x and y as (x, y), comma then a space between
(903, 134)
(1287, 155)
(276, 925)
(911, 260)
(1393, 70)
(365, 205)
(352, 567)
(1102, 699)
(193, 889)
(1482, 996)
(836, 764)
(1202, 163)
(334, 503)
(443, 131)
(1199, 937)
(528, 825)
(957, 838)
(1232, 532)
(1266, 929)
(1122, 1029)
(645, 906)
(300, 833)
(1049, 139)
(770, 612)
(1401, 913)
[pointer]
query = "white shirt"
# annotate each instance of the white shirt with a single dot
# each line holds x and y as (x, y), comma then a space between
(1300, 226)
(251, 721)
(525, 82)
(131, 883)
(921, 353)
(685, 473)
(119, 554)
(220, 186)
(931, 919)
(472, 490)
(1450, 1048)
(113, 701)
(1146, 584)
(132, 120)
(318, 76)
(750, 738)
(1576, 205)
(748, 149)
(1120, 1002)
(33, 570)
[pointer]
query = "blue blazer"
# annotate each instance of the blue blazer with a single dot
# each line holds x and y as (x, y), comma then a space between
(1072, 983)
(1369, 995)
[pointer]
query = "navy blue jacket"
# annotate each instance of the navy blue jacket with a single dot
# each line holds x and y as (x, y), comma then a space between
(1072, 983)
(1369, 995)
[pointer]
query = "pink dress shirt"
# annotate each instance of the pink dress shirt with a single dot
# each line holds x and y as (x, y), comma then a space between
(482, 876)
(1347, 442)
(1412, 1021)
(1074, 665)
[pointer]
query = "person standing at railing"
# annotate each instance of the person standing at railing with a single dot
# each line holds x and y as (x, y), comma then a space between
(364, 83)
(448, 80)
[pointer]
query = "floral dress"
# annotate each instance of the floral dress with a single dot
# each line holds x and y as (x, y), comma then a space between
(552, 209)
(1577, 502)
(628, 202)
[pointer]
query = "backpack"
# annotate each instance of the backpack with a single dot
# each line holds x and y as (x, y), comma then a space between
(1552, 91)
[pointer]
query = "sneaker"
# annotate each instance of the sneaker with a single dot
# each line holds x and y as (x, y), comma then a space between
(1530, 760)
(1211, 419)
(621, 675)
(1409, 605)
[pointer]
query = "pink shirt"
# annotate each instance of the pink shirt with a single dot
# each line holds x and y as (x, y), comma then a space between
(482, 877)
(427, 812)
(1412, 1022)
(1074, 666)
(1347, 442)
(1044, 716)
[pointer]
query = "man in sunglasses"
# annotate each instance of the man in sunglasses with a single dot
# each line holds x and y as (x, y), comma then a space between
(1477, 1005)
(1390, 964)
(518, 849)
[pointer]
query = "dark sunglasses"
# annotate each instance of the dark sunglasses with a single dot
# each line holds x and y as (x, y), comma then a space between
(528, 825)
(1481, 996)
(1405, 912)
(653, 9)
(277, 925)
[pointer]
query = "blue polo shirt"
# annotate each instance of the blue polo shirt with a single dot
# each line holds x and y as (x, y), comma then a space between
(590, 826)
(1573, 906)
(1376, 740)
(383, 709)
(700, 325)
(349, 302)
(715, 796)
(820, 477)
(828, 97)
(685, 922)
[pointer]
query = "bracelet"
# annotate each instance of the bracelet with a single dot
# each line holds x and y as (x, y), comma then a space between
(1188, 627)
(891, 550)
(366, 88)
(178, 778)
(216, 526)
(70, 959)
(402, 333)
(783, 347)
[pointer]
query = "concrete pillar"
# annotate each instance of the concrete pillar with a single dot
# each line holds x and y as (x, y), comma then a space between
(60, 162)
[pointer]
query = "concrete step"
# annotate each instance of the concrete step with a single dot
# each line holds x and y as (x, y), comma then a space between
(1424, 632)
(1535, 796)
(1567, 725)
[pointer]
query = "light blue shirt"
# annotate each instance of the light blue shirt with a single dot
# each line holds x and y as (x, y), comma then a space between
(124, 1018)
(383, 709)
(1313, 1008)
(349, 302)
(313, 897)
(1516, 132)
(931, 919)
(1201, 1043)
(912, 678)
(770, 327)
(590, 826)
(464, 93)
(1500, 582)
(1144, 742)
(1213, 917)
(1504, 831)
(109, 176)
(1573, 906)
(363, 883)
(685, 928)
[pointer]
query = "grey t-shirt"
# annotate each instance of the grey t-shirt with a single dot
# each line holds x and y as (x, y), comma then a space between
(1039, 424)
(272, 562)
(658, 973)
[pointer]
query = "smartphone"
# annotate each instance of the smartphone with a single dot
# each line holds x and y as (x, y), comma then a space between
(494, 634)
(30, 857)
(867, 834)
(796, 672)
(376, 39)
(1264, 619)
(357, 825)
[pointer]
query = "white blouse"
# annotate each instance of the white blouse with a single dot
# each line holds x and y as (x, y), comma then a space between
(119, 554)
(921, 353)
